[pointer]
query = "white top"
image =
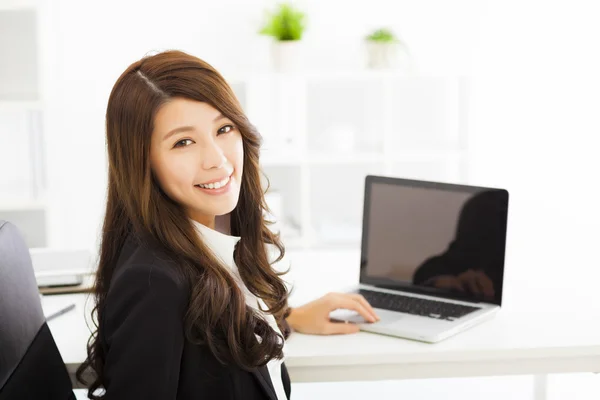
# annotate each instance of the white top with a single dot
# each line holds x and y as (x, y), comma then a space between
(223, 246)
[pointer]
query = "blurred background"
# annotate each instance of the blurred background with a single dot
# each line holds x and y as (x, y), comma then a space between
(491, 93)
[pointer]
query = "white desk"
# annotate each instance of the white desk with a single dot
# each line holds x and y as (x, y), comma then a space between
(532, 335)
(536, 343)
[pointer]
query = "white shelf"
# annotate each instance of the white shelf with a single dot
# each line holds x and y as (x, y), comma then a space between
(317, 158)
(421, 153)
(30, 217)
(26, 205)
(19, 45)
(281, 159)
(391, 124)
(320, 158)
(22, 182)
(303, 115)
(346, 158)
(20, 105)
(14, 5)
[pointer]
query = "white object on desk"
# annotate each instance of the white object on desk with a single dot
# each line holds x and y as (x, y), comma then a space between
(54, 267)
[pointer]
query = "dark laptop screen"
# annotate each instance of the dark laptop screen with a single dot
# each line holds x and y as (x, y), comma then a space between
(434, 238)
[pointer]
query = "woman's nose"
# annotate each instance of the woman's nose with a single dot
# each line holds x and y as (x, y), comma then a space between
(213, 156)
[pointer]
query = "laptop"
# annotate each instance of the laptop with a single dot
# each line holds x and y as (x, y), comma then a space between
(432, 257)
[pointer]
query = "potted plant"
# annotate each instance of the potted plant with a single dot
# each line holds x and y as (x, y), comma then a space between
(382, 49)
(286, 25)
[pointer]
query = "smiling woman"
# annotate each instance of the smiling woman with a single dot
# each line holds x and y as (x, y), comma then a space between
(185, 310)
(181, 152)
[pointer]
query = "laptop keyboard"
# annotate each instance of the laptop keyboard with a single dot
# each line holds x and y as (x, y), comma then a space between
(416, 305)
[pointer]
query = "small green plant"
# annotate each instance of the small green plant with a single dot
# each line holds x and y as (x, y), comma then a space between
(383, 36)
(287, 23)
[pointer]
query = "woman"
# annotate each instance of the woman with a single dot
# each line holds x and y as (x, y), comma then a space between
(187, 309)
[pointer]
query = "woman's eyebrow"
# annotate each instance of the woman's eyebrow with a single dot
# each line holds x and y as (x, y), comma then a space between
(178, 130)
(188, 128)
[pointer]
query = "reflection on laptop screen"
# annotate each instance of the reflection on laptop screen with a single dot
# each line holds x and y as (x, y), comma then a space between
(446, 238)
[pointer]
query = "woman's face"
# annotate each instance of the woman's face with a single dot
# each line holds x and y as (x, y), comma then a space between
(197, 157)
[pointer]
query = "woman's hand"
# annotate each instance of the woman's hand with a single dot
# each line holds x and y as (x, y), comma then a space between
(313, 317)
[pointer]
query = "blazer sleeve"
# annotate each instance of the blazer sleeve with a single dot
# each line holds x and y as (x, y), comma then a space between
(144, 334)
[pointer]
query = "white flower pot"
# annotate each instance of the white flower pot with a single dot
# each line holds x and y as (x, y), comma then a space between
(287, 55)
(387, 55)
(380, 55)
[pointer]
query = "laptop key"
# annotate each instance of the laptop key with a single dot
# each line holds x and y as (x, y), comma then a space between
(416, 305)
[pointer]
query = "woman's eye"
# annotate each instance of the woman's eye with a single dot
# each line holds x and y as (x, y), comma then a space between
(183, 143)
(225, 129)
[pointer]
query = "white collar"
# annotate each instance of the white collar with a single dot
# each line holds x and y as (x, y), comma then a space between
(223, 245)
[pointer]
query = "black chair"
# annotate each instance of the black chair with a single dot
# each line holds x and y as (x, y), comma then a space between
(30, 365)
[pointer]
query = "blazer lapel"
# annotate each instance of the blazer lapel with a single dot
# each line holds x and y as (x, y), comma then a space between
(262, 375)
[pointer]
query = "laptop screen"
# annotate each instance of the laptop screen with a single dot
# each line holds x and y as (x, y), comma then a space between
(434, 238)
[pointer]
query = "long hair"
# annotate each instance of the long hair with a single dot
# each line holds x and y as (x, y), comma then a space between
(217, 315)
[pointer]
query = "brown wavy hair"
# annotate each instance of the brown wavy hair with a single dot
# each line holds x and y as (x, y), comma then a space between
(217, 315)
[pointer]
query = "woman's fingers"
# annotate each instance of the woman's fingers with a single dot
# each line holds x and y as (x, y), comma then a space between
(361, 299)
(348, 301)
(340, 328)
(342, 300)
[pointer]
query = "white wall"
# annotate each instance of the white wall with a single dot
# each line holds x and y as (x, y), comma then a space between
(535, 130)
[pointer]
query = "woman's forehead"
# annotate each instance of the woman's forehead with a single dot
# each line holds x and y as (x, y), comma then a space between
(186, 109)
(182, 113)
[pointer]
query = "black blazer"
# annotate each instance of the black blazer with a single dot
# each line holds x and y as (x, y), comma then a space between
(147, 354)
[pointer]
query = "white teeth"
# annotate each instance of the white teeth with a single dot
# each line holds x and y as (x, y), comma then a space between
(215, 185)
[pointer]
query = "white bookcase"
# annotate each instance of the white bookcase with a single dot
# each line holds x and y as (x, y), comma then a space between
(324, 132)
(22, 182)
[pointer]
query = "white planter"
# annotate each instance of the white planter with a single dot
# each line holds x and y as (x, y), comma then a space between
(287, 55)
(387, 56)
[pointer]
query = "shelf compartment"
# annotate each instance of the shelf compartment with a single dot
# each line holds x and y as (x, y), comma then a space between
(336, 201)
(19, 75)
(425, 112)
(283, 197)
(345, 116)
(444, 167)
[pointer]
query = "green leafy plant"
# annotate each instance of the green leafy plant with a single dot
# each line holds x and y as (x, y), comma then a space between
(383, 35)
(285, 24)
